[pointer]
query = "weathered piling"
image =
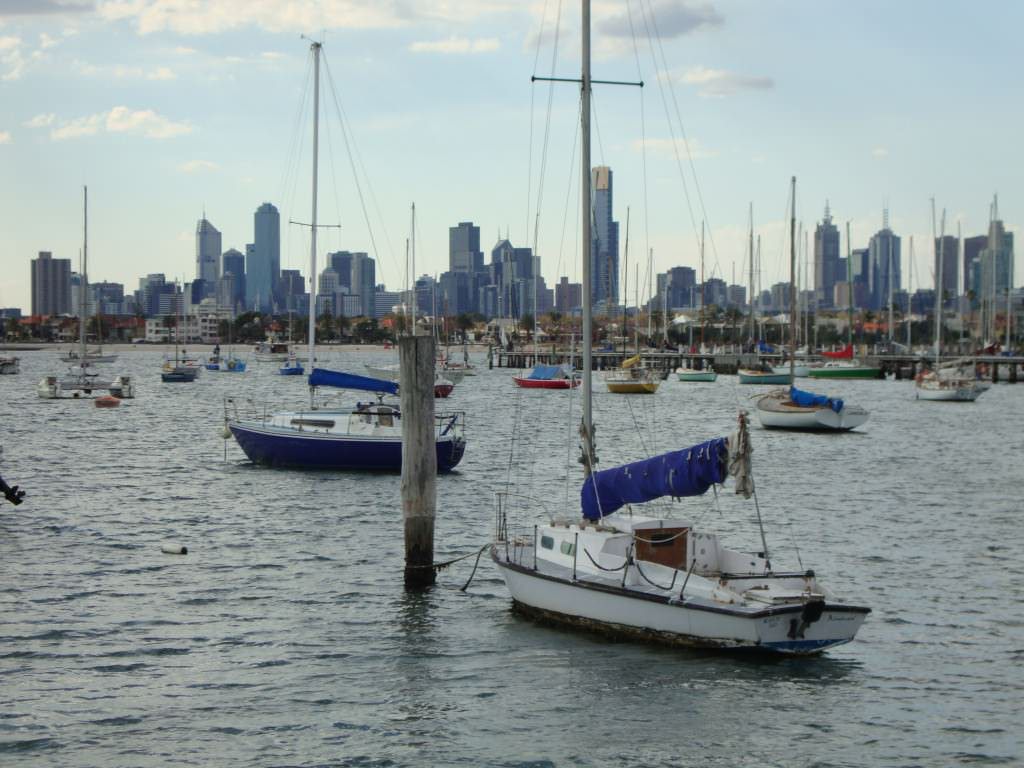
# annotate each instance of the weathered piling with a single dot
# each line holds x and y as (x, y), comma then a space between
(419, 458)
(995, 373)
(1012, 373)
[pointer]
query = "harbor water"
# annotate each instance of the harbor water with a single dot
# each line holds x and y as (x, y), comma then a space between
(285, 638)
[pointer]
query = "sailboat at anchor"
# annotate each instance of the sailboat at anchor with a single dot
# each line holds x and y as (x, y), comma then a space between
(603, 566)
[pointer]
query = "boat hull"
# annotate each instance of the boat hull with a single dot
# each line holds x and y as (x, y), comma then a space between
(759, 377)
(526, 383)
(851, 372)
(633, 387)
(612, 611)
(951, 394)
(800, 370)
(688, 375)
(822, 419)
(274, 448)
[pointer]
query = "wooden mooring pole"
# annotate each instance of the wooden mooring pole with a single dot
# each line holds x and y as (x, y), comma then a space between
(419, 458)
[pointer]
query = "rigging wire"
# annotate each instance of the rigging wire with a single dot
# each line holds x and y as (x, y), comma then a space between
(544, 146)
(533, 92)
(356, 164)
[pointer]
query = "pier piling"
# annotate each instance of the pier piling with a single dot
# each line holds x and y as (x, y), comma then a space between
(419, 458)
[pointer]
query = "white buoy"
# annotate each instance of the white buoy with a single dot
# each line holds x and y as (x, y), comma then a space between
(174, 549)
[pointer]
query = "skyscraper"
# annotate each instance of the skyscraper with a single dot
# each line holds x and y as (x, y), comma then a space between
(950, 268)
(233, 269)
(207, 252)
(604, 254)
(341, 262)
(51, 285)
(973, 246)
(263, 260)
(884, 273)
(826, 260)
(464, 254)
(363, 282)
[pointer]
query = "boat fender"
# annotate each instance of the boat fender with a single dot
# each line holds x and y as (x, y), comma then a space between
(226, 432)
(174, 549)
(811, 613)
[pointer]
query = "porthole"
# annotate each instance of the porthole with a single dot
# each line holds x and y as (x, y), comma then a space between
(547, 542)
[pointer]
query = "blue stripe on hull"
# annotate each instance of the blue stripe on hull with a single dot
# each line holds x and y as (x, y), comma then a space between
(335, 452)
(804, 646)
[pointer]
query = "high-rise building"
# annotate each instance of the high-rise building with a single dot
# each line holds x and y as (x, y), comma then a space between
(884, 274)
(232, 269)
(568, 296)
(973, 246)
(341, 262)
(604, 253)
(51, 285)
(826, 260)
(464, 254)
(263, 259)
(291, 289)
(946, 247)
(681, 285)
(208, 252)
(363, 282)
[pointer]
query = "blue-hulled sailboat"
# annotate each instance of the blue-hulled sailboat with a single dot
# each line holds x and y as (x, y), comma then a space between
(366, 437)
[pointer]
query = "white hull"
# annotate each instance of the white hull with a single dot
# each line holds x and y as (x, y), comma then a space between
(89, 358)
(813, 419)
(84, 387)
(10, 365)
(669, 620)
(963, 394)
(800, 370)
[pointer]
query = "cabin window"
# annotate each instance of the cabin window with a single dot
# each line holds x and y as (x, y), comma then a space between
(568, 548)
(547, 542)
(386, 420)
(322, 423)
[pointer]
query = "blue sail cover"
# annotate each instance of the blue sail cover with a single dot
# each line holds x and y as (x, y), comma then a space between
(689, 472)
(546, 372)
(809, 399)
(321, 377)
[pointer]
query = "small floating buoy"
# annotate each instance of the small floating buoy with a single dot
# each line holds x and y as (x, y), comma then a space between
(174, 549)
(107, 401)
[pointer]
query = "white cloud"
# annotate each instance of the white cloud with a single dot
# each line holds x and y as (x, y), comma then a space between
(457, 45)
(41, 120)
(182, 50)
(667, 19)
(271, 55)
(5, 137)
(45, 41)
(879, 152)
(198, 166)
(161, 73)
(143, 122)
(718, 82)
(119, 72)
(12, 58)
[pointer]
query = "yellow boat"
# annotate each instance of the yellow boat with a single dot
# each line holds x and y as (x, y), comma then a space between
(631, 379)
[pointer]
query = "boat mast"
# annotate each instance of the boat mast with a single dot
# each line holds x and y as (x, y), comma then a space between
(751, 245)
(849, 288)
(586, 213)
(910, 293)
(412, 269)
(82, 300)
(702, 314)
(315, 47)
(792, 284)
(625, 287)
(938, 286)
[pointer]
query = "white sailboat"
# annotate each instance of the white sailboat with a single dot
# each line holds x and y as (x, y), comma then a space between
(82, 381)
(791, 408)
(687, 372)
(657, 578)
(956, 381)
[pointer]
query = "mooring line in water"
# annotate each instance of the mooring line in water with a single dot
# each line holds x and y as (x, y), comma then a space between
(441, 566)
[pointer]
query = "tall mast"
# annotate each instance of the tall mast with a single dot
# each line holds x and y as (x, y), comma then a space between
(412, 269)
(751, 245)
(888, 241)
(849, 287)
(702, 301)
(82, 293)
(938, 285)
(315, 47)
(625, 286)
(650, 296)
(910, 294)
(792, 284)
(586, 213)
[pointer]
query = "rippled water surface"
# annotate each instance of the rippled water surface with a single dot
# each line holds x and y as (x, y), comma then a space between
(285, 637)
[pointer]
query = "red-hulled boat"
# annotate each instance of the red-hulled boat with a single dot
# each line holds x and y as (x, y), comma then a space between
(547, 377)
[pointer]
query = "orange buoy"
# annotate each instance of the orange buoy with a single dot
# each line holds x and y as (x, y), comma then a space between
(107, 401)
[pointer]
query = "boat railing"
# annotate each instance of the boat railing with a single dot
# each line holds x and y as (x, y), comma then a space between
(247, 409)
(518, 539)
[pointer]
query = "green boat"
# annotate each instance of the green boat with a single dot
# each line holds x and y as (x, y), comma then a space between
(748, 376)
(837, 370)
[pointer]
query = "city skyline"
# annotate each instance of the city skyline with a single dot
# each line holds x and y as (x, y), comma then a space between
(190, 115)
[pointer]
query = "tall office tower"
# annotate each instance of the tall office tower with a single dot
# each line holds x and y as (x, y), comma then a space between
(233, 264)
(568, 296)
(341, 262)
(997, 257)
(207, 252)
(973, 246)
(263, 260)
(950, 268)
(291, 289)
(464, 254)
(604, 254)
(884, 265)
(681, 287)
(826, 260)
(51, 285)
(363, 282)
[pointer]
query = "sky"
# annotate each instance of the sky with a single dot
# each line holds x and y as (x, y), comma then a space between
(169, 108)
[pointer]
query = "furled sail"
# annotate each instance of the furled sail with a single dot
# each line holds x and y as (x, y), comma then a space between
(810, 400)
(689, 472)
(321, 377)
